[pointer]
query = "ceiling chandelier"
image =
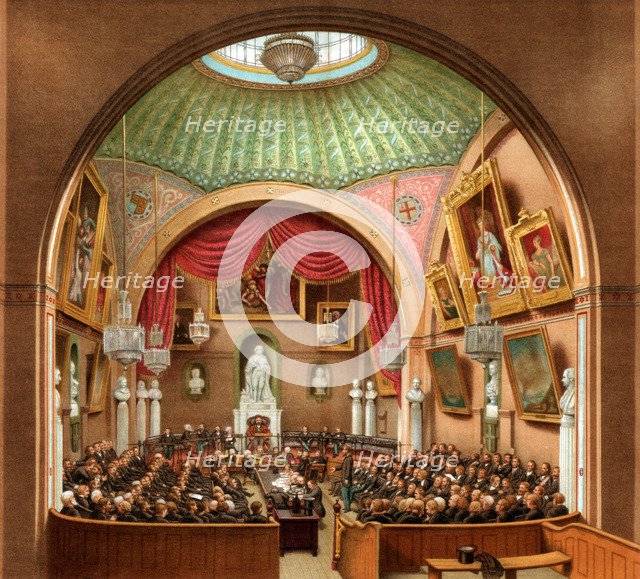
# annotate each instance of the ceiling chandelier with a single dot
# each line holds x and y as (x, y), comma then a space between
(199, 330)
(483, 340)
(123, 341)
(157, 358)
(289, 56)
(393, 356)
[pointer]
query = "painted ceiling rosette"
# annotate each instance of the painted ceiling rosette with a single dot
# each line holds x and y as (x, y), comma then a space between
(413, 112)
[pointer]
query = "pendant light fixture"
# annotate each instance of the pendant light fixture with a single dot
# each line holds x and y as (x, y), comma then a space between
(124, 341)
(289, 56)
(393, 356)
(199, 330)
(157, 358)
(483, 340)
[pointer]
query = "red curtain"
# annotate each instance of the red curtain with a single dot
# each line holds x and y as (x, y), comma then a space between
(201, 252)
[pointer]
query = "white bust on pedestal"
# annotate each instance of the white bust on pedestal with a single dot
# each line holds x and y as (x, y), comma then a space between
(567, 439)
(415, 397)
(155, 395)
(142, 394)
(122, 395)
(370, 409)
(256, 396)
(356, 395)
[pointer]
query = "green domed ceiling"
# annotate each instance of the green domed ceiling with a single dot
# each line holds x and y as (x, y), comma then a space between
(413, 112)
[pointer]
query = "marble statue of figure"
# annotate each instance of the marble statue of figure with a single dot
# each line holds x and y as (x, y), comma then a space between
(196, 383)
(491, 387)
(257, 374)
(568, 400)
(415, 394)
(356, 392)
(371, 393)
(142, 391)
(56, 391)
(319, 379)
(74, 391)
(121, 392)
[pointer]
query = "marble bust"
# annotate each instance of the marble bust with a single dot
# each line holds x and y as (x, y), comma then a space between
(492, 387)
(415, 393)
(356, 392)
(568, 400)
(196, 382)
(319, 379)
(121, 393)
(371, 393)
(142, 391)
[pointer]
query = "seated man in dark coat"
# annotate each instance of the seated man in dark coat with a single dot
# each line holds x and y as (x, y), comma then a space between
(377, 513)
(68, 505)
(558, 508)
(256, 515)
(533, 503)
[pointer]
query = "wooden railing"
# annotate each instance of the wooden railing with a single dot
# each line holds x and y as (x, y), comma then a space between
(356, 549)
(84, 548)
(405, 548)
(594, 553)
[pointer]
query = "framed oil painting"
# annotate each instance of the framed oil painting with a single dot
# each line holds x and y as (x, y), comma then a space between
(532, 375)
(85, 247)
(102, 295)
(448, 382)
(99, 384)
(259, 300)
(63, 252)
(336, 327)
(540, 259)
(195, 382)
(63, 353)
(182, 317)
(445, 297)
(484, 262)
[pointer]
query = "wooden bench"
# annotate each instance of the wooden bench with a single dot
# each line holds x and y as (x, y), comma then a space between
(511, 565)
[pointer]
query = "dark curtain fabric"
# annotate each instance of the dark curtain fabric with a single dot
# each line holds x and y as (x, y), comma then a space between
(201, 252)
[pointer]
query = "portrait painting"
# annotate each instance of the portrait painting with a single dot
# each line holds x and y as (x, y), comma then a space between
(336, 327)
(477, 216)
(533, 378)
(63, 252)
(448, 383)
(102, 295)
(85, 245)
(319, 381)
(541, 260)
(445, 297)
(282, 297)
(99, 381)
(195, 384)
(182, 317)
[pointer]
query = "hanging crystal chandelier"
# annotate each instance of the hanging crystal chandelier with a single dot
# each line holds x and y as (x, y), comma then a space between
(483, 340)
(393, 356)
(124, 342)
(199, 330)
(289, 56)
(157, 358)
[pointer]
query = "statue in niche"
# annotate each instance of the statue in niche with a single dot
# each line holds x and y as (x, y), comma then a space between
(196, 383)
(257, 374)
(56, 392)
(568, 400)
(74, 391)
(492, 387)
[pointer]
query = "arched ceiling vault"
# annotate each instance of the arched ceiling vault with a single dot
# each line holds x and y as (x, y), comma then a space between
(413, 112)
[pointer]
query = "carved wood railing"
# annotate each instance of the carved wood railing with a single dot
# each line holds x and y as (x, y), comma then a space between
(405, 548)
(355, 548)
(594, 553)
(84, 548)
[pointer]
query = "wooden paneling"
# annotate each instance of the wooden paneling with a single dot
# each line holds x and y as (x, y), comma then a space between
(594, 552)
(81, 548)
(359, 550)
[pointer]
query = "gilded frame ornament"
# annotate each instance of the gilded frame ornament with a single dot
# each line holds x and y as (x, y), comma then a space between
(538, 250)
(450, 314)
(99, 386)
(447, 365)
(98, 317)
(462, 210)
(84, 313)
(527, 354)
(329, 308)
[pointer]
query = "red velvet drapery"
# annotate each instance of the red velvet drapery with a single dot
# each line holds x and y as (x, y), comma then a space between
(201, 253)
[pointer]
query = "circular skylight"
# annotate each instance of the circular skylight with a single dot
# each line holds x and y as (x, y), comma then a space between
(342, 57)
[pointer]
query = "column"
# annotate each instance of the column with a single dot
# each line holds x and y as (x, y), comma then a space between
(356, 407)
(141, 411)
(491, 423)
(154, 420)
(568, 439)
(59, 441)
(415, 397)
(370, 409)
(122, 395)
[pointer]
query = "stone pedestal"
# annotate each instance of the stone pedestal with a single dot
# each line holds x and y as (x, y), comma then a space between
(122, 395)
(568, 460)
(141, 411)
(415, 397)
(249, 409)
(154, 420)
(356, 395)
(59, 431)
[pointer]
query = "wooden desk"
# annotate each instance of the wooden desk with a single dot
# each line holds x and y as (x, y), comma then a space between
(296, 531)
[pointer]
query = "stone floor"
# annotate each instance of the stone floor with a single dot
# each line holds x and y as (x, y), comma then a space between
(301, 564)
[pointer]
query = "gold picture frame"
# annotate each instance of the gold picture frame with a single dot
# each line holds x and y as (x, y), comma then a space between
(493, 270)
(101, 297)
(99, 385)
(532, 374)
(89, 212)
(182, 317)
(445, 297)
(332, 313)
(447, 380)
(540, 257)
